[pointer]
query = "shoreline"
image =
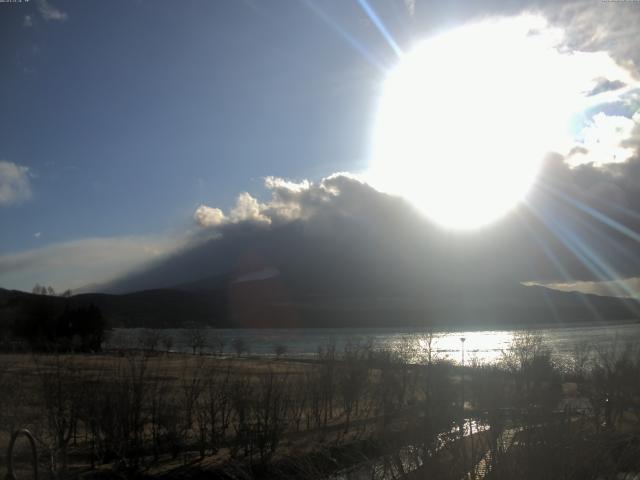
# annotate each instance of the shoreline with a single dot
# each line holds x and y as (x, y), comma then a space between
(436, 328)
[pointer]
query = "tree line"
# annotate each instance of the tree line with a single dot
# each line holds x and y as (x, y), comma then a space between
(42, 322)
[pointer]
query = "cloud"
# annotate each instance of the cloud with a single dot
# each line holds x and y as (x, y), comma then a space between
(83, 262)
(624, 288)
(586, 221)
(15, 186)
(576, 230)
(37, 235)
(606, 85)
(290, 201)
(605, 139)
(410, 5)
(209, 217)
(49, 12)
(599, 26)
(248, 209)
(580, 225)
(589, 26)
(28, 21)
(275, 183)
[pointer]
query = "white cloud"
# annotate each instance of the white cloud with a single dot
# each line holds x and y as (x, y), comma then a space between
(623, 288)
(605, 140)
(289, 201)
(49, 12)
(248, 209)
(410, 6)
(15, 186)
(79, 263)
(28, 21)
(273, 183)
(37, 234)
(209, 217)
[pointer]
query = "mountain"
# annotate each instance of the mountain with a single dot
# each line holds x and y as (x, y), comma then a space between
(268, 303)
(374, 264)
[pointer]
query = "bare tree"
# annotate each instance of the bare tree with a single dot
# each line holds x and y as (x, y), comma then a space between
(124, 413)
(298, 402)
(149, 339)
(60, 388)
(279, 350)
(218, 342)
(167, 342)
(196, 339)
(214, 410)
(240, 346)
(312, 386)
(240, 393)
(352, 379)
(270, 407)
(327, 379)
(192, 385)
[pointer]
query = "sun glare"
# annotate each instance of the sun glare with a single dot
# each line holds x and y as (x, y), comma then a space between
(466, 117)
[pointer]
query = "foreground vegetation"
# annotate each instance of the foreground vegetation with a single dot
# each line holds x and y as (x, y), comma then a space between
(357, 411)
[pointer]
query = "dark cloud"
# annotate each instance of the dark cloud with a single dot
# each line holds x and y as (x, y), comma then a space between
(587, 217)
(599, 26)
(578, 150)
(605, 85)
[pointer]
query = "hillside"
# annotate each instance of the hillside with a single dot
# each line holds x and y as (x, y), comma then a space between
(336, 271)
(267, 303)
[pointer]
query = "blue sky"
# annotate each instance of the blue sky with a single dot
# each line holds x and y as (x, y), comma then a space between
(130, 114)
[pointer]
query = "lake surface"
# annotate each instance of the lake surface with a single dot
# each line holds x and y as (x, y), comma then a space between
(479, 345)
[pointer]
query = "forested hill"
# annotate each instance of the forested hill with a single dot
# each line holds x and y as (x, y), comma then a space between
(269, 302)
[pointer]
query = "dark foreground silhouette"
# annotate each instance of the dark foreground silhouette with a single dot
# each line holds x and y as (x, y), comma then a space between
(361, 411)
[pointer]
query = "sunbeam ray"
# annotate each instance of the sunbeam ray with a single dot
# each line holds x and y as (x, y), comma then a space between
(586, 255)
(557, 263)
(350, 39)
(594, 213)
(373, 16)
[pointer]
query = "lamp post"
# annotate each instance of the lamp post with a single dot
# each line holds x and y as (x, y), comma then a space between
(462, 419)
(462, 339)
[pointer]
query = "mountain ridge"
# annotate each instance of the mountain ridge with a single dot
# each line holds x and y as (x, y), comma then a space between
(265, 304)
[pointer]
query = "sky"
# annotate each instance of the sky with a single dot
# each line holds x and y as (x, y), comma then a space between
(128, 127)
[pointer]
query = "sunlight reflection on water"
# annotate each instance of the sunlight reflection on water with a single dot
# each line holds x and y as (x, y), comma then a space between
(483, 346)
(480, 345)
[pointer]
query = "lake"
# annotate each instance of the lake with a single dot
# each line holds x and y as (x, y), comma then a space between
(481, 345)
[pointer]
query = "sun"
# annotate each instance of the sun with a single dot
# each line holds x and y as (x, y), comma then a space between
(465, 118)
